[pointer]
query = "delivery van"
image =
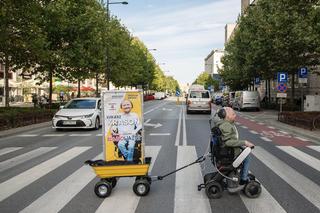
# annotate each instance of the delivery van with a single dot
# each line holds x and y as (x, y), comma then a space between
(199, 100)
(246, 100)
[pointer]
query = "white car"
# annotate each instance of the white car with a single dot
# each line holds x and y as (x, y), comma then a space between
(79, 113)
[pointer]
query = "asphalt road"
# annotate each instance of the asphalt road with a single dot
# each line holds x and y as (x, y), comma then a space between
(42, 170)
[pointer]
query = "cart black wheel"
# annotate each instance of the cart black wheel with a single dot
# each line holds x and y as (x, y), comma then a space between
(209, 177)
(214, 190)
(252, 189)
(113, 181)
(141, 187)
(103, 189)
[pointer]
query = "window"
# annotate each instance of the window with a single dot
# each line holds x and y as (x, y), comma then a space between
(81, 104)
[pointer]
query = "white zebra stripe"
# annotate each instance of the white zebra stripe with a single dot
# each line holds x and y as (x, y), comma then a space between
(20, 181)
(187, 198)
(8, 150)
(316, 148)
(301, 184)
(301, 156)
(54, 200)
(12, 162)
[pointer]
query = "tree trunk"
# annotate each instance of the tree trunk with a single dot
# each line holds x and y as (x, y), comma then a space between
(6, 82)
(269, 91)
(292, 89)
(50, 86)
(78, 95)
(97, 84)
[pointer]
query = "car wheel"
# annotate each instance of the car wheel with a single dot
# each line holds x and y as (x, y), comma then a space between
(58, 129)
(97, 123)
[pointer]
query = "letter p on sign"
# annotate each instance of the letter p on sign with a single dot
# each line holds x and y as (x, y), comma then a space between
(282, 77)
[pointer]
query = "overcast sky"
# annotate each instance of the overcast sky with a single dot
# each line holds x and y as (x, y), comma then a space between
(183, 31)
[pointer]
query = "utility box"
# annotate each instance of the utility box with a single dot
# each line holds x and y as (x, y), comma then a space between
(312, 103)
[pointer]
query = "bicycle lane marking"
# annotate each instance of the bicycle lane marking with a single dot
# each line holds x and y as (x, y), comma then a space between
(276, 136)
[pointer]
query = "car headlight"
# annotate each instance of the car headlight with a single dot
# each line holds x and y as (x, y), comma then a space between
(57, 116)
(88, 116)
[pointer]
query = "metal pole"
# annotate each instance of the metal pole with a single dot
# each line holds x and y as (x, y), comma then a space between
(302, 105)
(107, 51)
(280, 105)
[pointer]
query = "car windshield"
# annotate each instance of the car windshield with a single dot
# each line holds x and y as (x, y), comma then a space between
(199, 94)
(81, 104)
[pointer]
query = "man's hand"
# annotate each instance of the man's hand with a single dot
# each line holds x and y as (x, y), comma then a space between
(248, 144)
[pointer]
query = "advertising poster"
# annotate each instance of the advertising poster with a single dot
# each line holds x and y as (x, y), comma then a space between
(123, 126)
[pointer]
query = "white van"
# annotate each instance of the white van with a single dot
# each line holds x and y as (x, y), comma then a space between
(246, 100)
(199, 100)
(159, 95)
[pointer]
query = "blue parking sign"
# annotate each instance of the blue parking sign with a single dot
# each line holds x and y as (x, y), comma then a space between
(282, 77)
(257, 81)
(177, 93)
(303, 72)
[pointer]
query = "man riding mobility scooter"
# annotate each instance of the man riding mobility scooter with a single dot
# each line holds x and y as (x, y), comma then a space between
(227, 163)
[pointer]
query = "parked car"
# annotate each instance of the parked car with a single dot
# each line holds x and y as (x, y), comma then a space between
(246, 100)
(79, 113)
(199, 100)
(159, 95)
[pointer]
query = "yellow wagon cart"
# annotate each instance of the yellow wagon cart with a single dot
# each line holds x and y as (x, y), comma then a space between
(109, 172)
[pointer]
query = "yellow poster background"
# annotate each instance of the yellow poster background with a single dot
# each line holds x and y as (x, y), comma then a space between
(112, 152)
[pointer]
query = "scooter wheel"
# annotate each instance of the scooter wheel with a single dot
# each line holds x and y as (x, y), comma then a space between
(214, 190)
(103, 189)
(252, 189)
(113, 181)
(141, 187)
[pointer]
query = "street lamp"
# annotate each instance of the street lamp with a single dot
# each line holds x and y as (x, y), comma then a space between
(107, 52)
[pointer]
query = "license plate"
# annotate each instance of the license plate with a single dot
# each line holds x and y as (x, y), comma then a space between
(69, 122)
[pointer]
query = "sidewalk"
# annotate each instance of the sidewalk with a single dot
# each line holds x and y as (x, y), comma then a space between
(270, 117)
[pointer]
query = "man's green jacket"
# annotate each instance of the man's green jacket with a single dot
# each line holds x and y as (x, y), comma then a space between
(230, 136)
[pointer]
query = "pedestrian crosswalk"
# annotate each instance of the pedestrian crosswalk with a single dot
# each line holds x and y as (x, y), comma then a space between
(186, 196)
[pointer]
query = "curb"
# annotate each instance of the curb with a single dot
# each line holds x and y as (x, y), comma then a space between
(14, 131)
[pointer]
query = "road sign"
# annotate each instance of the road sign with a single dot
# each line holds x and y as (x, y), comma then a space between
(257, 81)
(303, 72)
(282, 77)
(282, 87)
(281, 95)
(177, 93)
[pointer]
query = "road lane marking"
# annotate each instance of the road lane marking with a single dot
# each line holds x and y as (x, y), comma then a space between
(237, 123)
(260, 123)
(244, 127)
(316, 148)
(12, 162)
(301, 184)
(254, 132)
(184, 133)
(302, 139)
(265, 202)
(54, 200)
(122, 191)
(271, 127)
(159, 134)
(8, 150)
(265, 139)
(53, 135)
(284, 132)
(187, 197)
(20, 181)
(301, 156)
(27, 135)
(98, 135)
(178, 129)
(79, 135)
(154, 108)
